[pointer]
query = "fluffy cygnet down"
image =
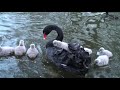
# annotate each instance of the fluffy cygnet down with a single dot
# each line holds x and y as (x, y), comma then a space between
(32, 52)
(21, 49)
(102, 60)
(5, 51)
(87, 50)
(102, 51)
(60, 44)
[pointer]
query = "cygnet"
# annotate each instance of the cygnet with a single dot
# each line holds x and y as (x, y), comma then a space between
(21, 49)
(32, 52)
(102, 60)
(5, 51)
(102, 51)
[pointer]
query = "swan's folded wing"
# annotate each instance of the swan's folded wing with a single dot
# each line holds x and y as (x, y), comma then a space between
(73, 46)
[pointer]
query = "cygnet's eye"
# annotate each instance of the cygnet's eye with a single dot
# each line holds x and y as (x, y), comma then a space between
(55, 43)
(100, 49)
(96, 61)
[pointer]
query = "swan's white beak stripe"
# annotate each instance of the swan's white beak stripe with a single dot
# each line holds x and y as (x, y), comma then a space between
(44, 36)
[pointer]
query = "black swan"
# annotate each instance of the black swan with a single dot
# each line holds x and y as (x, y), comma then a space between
(76, 61)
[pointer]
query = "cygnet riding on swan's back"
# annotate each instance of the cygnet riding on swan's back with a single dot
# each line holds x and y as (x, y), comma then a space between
(60, 44)
(21, 49)
(77, 61)
(87, 50)
(32, 52)
(6, 51)
(65, 45)
(102, 51)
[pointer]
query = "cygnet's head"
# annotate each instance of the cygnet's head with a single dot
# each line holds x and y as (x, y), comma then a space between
(101, 49)
(32, 45)
(88, 50)
(57, 43)
(96, 61)
(21, 43)
(81, 47)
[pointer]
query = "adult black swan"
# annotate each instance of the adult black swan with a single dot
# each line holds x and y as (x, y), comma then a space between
(76, 61)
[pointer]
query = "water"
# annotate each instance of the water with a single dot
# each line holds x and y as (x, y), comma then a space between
(92, 30)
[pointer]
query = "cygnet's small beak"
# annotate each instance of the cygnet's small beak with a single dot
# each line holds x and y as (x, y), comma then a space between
(95, 62)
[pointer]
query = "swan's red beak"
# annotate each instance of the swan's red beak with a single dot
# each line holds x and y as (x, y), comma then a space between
(44, 36)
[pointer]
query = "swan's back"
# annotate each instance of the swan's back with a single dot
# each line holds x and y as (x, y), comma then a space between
(56, 55)
(76, 61)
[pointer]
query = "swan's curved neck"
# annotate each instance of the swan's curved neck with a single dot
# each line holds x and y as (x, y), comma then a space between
(60, 34)
(47, 31)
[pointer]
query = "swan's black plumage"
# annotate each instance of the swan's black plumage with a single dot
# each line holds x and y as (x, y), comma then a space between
(48, 29)
(76, 61)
